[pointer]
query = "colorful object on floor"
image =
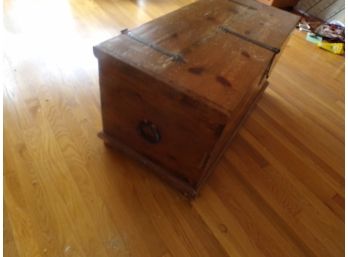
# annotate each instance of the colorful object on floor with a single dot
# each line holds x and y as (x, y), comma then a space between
(329, 36)
(336, 48)
(332, 32)
(311, 37)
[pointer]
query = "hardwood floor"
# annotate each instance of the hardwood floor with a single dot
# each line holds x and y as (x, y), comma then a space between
(279, 190)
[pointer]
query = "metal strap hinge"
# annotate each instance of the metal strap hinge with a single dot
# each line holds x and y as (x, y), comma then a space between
(275, 50)
(174, 56)
(244, 5)
(255, 42)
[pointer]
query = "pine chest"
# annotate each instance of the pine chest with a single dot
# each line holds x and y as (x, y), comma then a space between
(175, 90)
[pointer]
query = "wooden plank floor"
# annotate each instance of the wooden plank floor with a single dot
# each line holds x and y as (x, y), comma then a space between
(279, 190)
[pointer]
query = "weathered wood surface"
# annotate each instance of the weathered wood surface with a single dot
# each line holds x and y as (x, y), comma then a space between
(217, 66)
(188, 128)
(279, 191)
(192, 74)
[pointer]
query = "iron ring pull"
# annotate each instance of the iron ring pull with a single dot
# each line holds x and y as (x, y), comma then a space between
(149, 131)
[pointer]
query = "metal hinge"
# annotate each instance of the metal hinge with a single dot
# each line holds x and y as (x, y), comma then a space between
(255, 42)
(174, 56)
(244, 5)
(275, 50)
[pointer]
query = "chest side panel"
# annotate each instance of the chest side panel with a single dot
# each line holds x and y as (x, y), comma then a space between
(188, 129)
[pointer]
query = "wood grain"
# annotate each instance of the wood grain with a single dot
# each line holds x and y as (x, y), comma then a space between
(210, 37)
(279, 190)
(175, 90)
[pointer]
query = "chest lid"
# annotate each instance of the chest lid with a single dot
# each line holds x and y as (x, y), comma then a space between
(214, 49)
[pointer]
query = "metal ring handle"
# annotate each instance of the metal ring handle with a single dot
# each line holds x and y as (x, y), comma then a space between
(149, 131)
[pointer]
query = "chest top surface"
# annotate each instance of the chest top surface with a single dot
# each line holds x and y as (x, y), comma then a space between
(214, 49)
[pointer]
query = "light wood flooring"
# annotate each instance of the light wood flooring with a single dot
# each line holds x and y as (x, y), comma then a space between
(278, 192)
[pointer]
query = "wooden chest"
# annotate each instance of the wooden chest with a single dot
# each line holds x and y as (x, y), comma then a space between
(174, 91)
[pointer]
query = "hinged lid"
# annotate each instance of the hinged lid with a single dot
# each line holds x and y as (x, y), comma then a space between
(214, 49)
